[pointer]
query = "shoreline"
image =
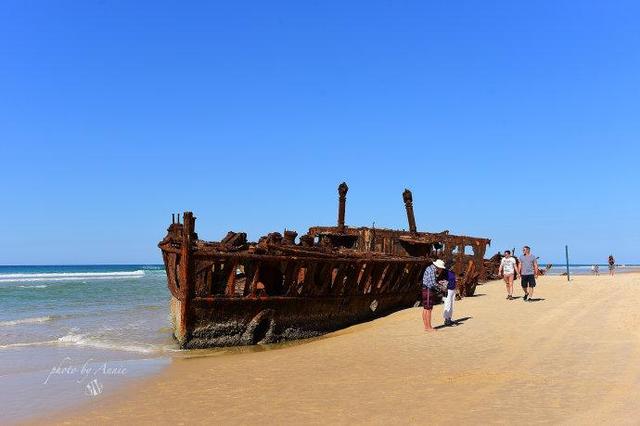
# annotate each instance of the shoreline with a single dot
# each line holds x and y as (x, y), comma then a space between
(572, 350)
(70, 385)
(587, 272)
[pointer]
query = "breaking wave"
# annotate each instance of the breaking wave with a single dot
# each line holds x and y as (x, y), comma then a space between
(70, 276)
(22, 345)
(82, 340)
(25, 321)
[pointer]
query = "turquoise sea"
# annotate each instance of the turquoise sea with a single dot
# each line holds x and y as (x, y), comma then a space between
(72, 333)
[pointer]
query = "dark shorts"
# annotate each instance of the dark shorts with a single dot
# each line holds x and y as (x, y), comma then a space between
(427, 298)
(528, 281)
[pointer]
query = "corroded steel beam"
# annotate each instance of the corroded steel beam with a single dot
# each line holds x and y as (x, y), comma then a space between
(184, 278)
(408, 204)
(342, 193)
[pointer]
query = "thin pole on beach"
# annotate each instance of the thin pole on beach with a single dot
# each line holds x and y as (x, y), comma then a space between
(566, 253)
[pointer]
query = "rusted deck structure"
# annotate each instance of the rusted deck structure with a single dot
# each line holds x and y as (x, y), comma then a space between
(233, 292)
(466, 253)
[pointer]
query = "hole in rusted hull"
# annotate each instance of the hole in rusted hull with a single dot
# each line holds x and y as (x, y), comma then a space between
(261, 330)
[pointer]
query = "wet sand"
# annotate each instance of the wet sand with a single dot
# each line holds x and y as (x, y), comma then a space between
(569, 357)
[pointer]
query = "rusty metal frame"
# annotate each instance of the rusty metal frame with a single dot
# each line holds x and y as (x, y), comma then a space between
(237, 292)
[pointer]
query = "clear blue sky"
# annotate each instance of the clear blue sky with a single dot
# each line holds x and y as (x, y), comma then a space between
(518, 121)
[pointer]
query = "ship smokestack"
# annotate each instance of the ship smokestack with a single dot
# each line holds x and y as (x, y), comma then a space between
(408, 204)
(342, 192)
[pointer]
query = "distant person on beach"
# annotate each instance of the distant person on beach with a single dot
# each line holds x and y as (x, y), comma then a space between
(429, 283)
(612, 265)
(447, 275)
(528, 271)
(507, 270)
(595, 269)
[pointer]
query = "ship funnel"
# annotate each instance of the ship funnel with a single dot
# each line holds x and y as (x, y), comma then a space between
(342, 192)
(408, 204)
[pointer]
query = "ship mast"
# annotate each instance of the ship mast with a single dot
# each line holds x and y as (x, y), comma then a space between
(342, 192)
(408, 204)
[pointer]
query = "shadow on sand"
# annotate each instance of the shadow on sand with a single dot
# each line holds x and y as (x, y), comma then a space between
(457, 322)
(535, 299)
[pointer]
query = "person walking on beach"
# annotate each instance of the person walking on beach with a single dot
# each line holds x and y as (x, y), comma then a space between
(528, 271)
(595, 269)
(612, 265)
(446, 274)
(429, 284)
(507, 270)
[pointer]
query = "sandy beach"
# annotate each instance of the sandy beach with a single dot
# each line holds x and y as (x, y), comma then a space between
(569, 357)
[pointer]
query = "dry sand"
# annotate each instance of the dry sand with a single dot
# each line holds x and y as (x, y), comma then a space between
(571, 357)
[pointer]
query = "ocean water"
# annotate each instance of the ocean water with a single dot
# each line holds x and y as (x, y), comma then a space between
(585, 269)
(72, 333)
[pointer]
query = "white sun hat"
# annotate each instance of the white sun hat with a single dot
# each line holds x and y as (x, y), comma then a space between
(439, 264)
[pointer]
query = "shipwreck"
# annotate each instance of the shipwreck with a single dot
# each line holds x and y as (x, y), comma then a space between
(234, 292)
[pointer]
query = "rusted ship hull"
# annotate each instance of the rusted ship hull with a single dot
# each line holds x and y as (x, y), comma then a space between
(233, 322)
(226, 298)
(232, 292)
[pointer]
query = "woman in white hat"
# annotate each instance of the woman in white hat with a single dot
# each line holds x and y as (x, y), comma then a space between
(429, 286)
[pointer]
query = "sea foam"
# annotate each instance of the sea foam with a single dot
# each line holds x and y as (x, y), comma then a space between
(83, 340)
(25, 321)
(70, 276)
(27, 344)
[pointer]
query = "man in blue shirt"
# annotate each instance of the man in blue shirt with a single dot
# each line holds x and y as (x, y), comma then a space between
(428, 292)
